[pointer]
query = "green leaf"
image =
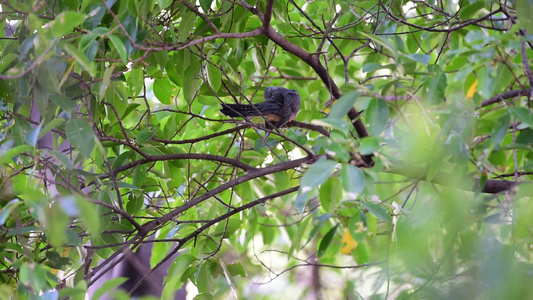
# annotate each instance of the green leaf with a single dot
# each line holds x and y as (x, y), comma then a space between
(65, 22)
(523, 115)
(206, 4)
(321, 221)
(370, 67)
(26, 46)
(136, 81)
(190, 83)
(63, 102)
(86, 40)
(377, 116)
(108, 286)
(121, 159)
(368, 145)
(525, 137)
(81, 136)
(124, 185)
(48, 79)
(434, 87)
(381, 41)
(164, 3)
(51, 125)
(330, 194)
(268, 232)
(23, 86)
(119, 46)
(343, 105)
(186, 24)
(377, 210)
(214, 77)
(131, 107)
(421, 58)
(6, 156)
(41, 99)
(203, 278)
(7, 209)
(296, 238)
(236, 269)
(178, 267)
(88, 213)
(56, 224)
(7, 60)
(317, 174)
(135, 204)
(161, 57)
(524, 11)
(204, 296)
(62, 158)
(468, 10)
(338, 124)
(163, 91)
(353, 180)
(500, 129)
(80, 58)
(362, 255)
(353, 227)
(106, 79)
(301, 200)
(144, 135)
(326, 241)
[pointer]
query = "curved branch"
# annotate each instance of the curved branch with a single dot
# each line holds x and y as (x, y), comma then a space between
(203, 138)
(249, 176)
(209, 224)
(433, 29)
(154, 158)
(504, 96)
(308, 126)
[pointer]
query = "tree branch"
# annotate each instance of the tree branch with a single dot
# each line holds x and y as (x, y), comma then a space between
(504, 96)
(267, 16)
(249, 176)
(491, 186)
(210, 157)
(209, 224)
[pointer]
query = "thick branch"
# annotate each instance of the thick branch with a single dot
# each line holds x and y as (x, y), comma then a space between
(504, 96)
(249, 176)
(267, 16)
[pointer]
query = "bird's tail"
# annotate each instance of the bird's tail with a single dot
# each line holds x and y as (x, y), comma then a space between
(238, 110)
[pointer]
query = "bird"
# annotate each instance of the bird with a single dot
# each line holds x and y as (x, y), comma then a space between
(281, 105)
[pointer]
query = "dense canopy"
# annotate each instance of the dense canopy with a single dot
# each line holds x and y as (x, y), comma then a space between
(406, 172)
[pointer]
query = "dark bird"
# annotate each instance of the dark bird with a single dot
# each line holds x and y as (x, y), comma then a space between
(281, 106)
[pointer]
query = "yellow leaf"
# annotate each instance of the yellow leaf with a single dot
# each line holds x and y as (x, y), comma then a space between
(66, 252)
(350, 243)
(472, 90)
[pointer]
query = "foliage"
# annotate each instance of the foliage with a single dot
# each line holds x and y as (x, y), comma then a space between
(111, 132)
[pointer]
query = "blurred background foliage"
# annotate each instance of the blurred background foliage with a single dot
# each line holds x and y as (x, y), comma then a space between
(111, 137)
